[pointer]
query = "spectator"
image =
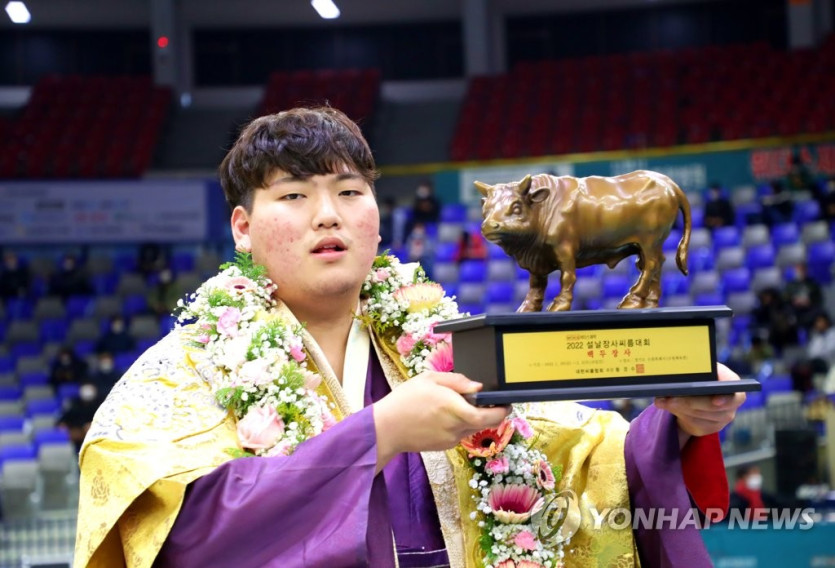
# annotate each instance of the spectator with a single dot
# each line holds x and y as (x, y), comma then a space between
(116, 339)
(826, 199)
(104, 374)
(14, 277)
(758, 354)
(774, 318)
(747, 495)
(820, 355)
(150, 259)
(778, 205)
(719, 212)
(426, 209)
(77, 418)
(70, 280)
(799, 178)
(470, 247)
(387, 224)
(421, 248)
(804, 295)
(67, 368)
(162, 298)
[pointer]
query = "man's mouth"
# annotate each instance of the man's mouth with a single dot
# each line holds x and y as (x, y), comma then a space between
(329, 246)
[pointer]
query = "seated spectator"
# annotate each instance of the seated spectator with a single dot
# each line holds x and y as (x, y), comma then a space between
(820, 355)
(747, 495)
(150, 259)
(104, 374)
(14, 277)
(719, 212)
(470, 247)
(778, 206)
(77, 418)
(67, 368)
(773, 318)
(799, 178)
(421, 248)
(804, 295)
(70, 280)
(116, 339)
(162, 298)
(758, 354)
(426, 208)
(826, 199)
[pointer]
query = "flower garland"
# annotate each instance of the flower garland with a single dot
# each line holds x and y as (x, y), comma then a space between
(261, 375)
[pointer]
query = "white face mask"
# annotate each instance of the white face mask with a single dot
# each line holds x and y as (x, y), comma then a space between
(106, 366)
(754, 482)
(87, 393)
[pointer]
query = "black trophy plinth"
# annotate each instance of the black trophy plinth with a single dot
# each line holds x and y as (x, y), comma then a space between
(591, 355)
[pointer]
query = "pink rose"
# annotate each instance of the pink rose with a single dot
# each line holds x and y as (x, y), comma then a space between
(525, 540)
(255, 371)
(381, 274)
(203, 338)
(260, 428)
(297, 353)
(328, 420)
(498, 465)
(523, 427)
(227, 323)
(432, 338)
(283, 448)
(312, 380)
(405, 343)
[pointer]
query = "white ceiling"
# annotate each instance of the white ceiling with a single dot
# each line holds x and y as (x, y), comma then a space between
(117, 14)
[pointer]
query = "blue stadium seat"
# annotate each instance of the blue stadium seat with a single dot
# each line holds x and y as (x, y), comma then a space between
(68, 391)
(35, 379)
(821, 259)
(806, 211)
(84, 347)
(445, 252)
(78, 306)
(453, 213)
(598, 404)
(671, 243)
(616, 285)
(674, 283)
(500, 292)
(19, 308)
(7, 364)
(17, 452)
(472, 271)
(736, 279)
(753, 400)
(134, 304)
(701, 259)
(725, 237)
(709, 299)
(105, 284)
(495, 251)
(747, 214)
(472, 309)
(182, 261)
(53, 330)
(43, 406)
(25, 349)
(775, 384)
(12, 423)
(50, 436)
(784, 234)
(760, 256)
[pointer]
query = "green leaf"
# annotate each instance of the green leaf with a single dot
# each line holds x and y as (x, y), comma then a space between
(243, 260)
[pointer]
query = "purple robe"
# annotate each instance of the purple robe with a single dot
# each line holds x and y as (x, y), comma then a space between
(324, 505)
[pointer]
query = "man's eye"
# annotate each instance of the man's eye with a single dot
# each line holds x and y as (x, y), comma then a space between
(291, 196)
(350, 192)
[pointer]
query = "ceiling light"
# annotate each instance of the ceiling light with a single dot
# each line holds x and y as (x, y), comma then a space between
(18, 13)
(326, 8)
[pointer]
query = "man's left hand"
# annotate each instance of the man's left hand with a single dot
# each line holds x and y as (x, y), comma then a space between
(702, 415)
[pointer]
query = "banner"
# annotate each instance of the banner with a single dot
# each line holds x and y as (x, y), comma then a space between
(103, 212)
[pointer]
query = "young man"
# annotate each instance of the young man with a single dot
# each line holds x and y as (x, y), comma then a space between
(386, 484)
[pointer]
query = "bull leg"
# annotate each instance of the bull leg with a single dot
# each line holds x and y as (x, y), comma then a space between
(568, 276)
(645, 292)
(536, 293)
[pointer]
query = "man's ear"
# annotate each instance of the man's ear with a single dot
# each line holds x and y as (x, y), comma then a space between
(240, 229)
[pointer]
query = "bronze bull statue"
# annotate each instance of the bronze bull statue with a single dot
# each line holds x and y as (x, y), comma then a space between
(549, 223)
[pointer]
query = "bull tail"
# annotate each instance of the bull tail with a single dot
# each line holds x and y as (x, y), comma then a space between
(684, 243)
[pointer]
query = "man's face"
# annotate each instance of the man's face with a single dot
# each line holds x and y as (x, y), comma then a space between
(316, 236)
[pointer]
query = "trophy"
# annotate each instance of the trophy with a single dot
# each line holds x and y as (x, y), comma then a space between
(549, 223)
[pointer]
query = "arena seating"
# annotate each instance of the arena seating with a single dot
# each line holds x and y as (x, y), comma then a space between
(644, 100)
(85, 127)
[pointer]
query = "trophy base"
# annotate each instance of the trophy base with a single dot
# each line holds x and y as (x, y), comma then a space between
(691, 388)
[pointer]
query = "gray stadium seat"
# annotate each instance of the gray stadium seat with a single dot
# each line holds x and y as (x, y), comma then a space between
(130, 283)
(767, 278)
(501, 270)
(815, 232)
(731, 257)
(18, 487)
(107, 307)
(707, 281)
(32, 364)
(22, 331)
(50, 307)
(789, 255)
(84, 329)
(755, 235)
(58, 469)
(144, 327)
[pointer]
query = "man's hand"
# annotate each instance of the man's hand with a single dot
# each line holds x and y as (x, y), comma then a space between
(702, 415)
(428, 412)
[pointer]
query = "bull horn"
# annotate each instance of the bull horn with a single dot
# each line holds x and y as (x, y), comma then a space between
(525, 184)
(482, 187)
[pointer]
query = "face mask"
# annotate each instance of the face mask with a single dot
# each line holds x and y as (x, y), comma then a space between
(106, 366)
(87, 393)
(118, 327)
(65, 360)
(754, 482)
(423, 193)
(165, 277)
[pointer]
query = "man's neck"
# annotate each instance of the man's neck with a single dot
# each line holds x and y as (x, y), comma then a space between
(330, 329)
